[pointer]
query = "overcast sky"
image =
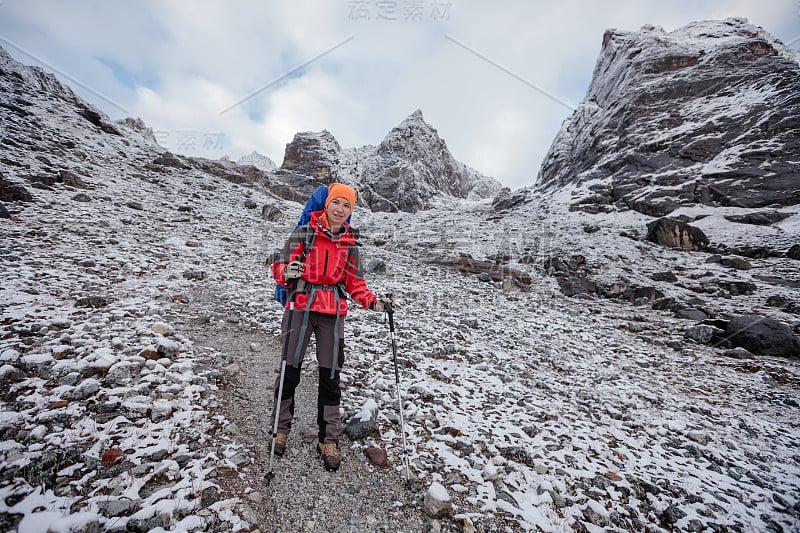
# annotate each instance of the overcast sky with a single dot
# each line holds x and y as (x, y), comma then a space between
(214, 78)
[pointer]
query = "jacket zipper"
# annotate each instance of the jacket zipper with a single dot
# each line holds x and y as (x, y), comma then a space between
(325, 264)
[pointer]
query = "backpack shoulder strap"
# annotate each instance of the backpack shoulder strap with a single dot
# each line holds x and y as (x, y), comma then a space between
(310, 237)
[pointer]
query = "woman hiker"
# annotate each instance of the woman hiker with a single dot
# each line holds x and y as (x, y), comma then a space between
(319, 264)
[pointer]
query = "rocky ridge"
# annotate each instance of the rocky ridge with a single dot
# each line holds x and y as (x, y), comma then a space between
(640, 163)
(706, 114)
(407, 171)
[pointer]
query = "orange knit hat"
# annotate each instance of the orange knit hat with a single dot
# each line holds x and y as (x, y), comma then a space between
(340, 190)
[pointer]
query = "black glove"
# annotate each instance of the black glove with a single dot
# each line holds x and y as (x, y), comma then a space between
(293, 270)
(384, 303)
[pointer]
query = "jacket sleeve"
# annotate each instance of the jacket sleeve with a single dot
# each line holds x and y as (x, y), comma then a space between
(292, 249)
(354, 280)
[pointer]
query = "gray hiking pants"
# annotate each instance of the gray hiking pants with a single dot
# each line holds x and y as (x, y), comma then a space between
(329, 395)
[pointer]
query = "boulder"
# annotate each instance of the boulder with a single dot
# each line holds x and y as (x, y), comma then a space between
(651, 293)
(312, 154)
(691, 314)
(574, 285)
(664, 276)
(13, 192)
(474, 266)
(676, 234)
(704, 334)
(763, 336)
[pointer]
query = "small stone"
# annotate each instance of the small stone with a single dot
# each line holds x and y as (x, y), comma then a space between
(739, 353)
(240, 460)
(162, 409)
(490, 472)
(167, 347)
(437, 502)
(377, 456)
(162, 328)
(596, 514)
(87, 388)
(233, 369)
(38, 433)
(671, 515)
(117, 506)
(357, 429)
(149, 354)
(11, 374)
(698, 437)
(112, 456)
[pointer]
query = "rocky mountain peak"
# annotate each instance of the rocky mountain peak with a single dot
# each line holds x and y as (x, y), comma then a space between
(404, 172)
(412, 165)
(257, 160)
(706, 114)
(412, 137)
(313, 154)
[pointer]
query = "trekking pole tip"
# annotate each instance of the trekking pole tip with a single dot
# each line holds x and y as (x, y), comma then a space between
(269, 476)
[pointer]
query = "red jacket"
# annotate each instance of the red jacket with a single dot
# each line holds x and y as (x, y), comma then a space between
(332, 260)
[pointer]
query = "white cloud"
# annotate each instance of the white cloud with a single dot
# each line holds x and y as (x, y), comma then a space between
(192, 60)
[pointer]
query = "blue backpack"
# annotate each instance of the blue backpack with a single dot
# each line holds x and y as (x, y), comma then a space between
(315, 203)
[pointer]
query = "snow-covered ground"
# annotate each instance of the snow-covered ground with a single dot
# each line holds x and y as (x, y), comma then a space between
(526, 407)
(552, 411)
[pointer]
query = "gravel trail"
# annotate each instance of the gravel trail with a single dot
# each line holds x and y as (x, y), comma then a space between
(302, 496)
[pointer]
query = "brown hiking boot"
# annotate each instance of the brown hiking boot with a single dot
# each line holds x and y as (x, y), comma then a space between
(280, 444)
(330, 455)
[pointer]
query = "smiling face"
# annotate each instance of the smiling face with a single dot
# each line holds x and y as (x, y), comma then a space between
(338, 210)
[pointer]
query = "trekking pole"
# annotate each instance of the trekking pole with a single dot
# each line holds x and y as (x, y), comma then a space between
(270, 475)
(390, 312)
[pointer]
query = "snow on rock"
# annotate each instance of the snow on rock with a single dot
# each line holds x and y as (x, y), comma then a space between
(437, 502)
(410, 169)
(257, 160)
(698, 115)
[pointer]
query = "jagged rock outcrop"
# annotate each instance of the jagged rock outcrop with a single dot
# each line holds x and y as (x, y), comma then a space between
(43, 82)
(706, 114)
(412, 165)
(315, 155)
